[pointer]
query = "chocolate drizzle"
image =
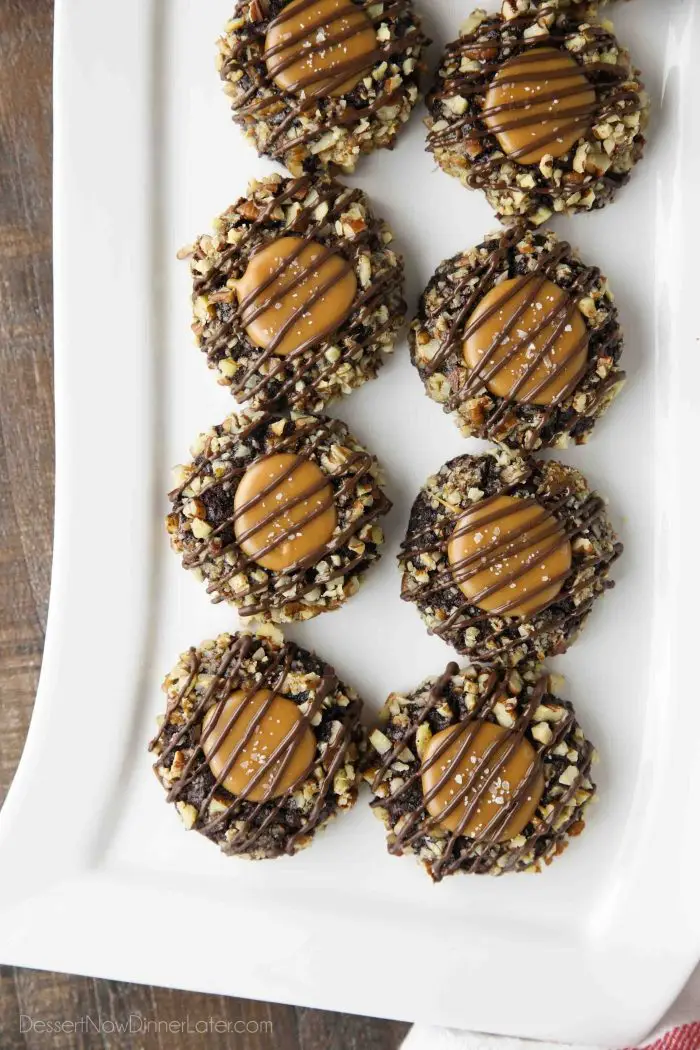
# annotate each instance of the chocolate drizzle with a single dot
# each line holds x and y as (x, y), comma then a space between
(481, 853)
(490, 45)
(529, 537)
(286, 380)
(240, 824)
(320, 82)
(510, 117)
(499, 634)
(607, 341)
(263, 97)
(307, 440)
(251, 306)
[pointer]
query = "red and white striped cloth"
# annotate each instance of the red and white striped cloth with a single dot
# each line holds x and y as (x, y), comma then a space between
(678, 1030)
(686, 1037)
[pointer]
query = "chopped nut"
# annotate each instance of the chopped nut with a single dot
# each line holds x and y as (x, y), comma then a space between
(542, 732)
(379, 741)
(200, 529)
(188, 814)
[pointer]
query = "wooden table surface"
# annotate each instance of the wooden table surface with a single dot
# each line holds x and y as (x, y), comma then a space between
(26, 484)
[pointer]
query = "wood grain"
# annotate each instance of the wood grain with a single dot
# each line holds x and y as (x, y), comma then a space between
(26, 487)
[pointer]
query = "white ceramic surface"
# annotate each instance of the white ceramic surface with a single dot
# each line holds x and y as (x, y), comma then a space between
(96, 873)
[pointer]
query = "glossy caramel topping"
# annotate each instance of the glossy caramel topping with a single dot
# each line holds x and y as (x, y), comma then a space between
(320, 47)
(293, 294)
(539, 102)
(483, 771)
(278, 751)
(527, 341)
(509, 556)
(284, 511)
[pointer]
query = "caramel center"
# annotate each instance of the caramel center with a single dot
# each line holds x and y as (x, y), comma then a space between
(293, 294)
(320, 47)
(495, 770)
(539, 102)
(509, 556)
(284, 511)
(527, 341)
(271, 722)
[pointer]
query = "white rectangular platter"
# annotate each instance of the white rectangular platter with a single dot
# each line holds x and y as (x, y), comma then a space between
(97, 876)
